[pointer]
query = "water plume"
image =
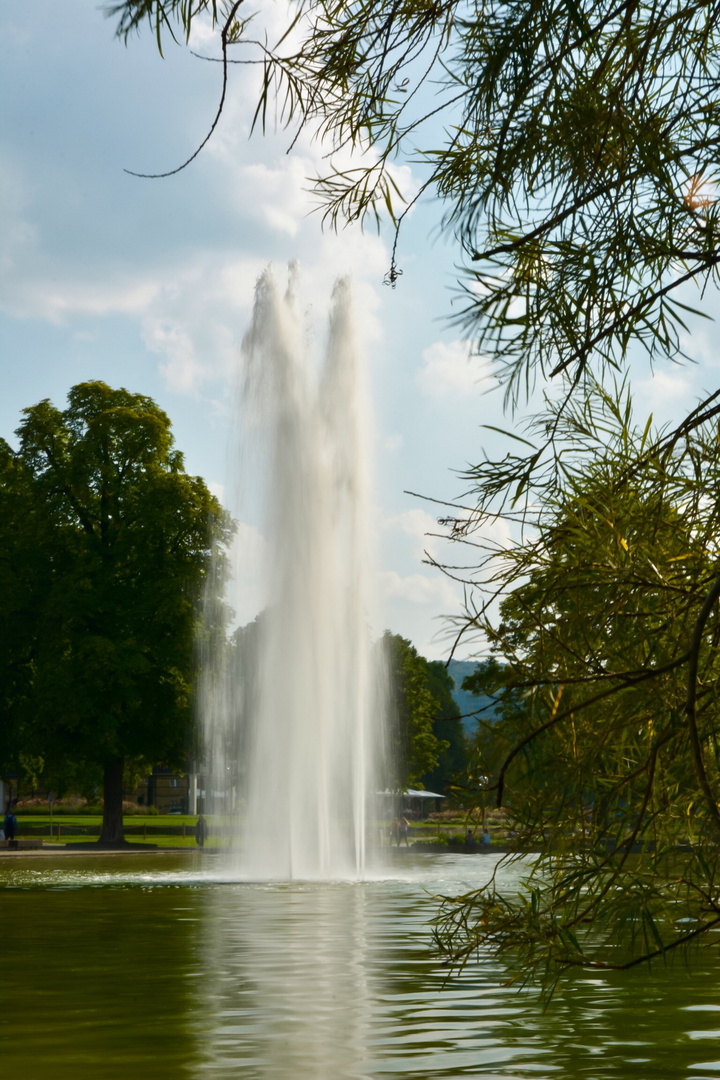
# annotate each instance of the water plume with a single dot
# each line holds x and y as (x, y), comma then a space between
(301, 711)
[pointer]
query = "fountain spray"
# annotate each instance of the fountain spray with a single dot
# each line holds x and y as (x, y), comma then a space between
(301, 709)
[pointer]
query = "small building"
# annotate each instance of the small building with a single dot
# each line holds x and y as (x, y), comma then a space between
(170, 792)
(414, 801)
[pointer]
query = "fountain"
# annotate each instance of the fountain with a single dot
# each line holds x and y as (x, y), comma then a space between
(299, 710)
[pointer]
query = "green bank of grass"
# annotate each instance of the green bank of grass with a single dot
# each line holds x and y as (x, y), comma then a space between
(129, 820)
(163, 830)
(179, 842)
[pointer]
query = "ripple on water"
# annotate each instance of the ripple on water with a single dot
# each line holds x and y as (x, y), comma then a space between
(184, 972)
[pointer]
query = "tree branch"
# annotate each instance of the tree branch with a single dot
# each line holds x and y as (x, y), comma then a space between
(218, 114)
(693, 656)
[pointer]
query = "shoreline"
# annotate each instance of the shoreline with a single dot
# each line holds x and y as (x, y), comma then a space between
(92, 851)
(63, 851)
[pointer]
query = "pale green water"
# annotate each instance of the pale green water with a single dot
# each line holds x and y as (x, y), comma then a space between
(156, 967)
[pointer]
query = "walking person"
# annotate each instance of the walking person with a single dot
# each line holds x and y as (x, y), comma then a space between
(9, 825)
(201, 831)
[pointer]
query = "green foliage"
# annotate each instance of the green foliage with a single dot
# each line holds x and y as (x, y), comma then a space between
(492, 740)
(606, 738)
(122, 542)
(23, 578)
(447, 728)
(414, 748)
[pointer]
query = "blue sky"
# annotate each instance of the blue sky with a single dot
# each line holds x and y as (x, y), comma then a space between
(148, 284)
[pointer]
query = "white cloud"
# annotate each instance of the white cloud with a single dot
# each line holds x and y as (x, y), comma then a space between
(413, 522)
(197, 318)
(34, 285)
(275, 192)
(665, 394)
(192, 306)
(436, 592)
(416, 524)
(701, 345)
(61, 300)
(202, 33)
(50, 296)
(188, 291)
(216, 489)
(180, 367)
(449, 368)
(193, 314)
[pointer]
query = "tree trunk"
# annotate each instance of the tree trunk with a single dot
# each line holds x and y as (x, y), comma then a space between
(152, 787)
(112, 826)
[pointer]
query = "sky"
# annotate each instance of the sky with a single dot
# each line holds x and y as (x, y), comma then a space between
(148, 284)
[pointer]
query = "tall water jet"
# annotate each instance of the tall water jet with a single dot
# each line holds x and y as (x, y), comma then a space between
(300, 709)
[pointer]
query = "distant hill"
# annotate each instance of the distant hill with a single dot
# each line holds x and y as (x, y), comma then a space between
(467, 703)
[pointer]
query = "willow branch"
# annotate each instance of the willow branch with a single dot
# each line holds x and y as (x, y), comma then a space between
(583, 705)
(635, 310)
(690, 709)
(218, 114)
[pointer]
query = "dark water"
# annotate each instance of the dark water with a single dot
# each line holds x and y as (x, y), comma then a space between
(155, 968)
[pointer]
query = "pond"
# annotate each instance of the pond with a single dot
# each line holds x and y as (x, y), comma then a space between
(157, 966)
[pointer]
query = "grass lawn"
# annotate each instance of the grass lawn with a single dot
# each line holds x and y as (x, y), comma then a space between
(161, 829)
(180, 842)
(96, 819)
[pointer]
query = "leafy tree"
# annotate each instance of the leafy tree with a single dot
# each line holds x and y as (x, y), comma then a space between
(492, 741)
(608, 726)
(23, 578)
(447, 727)
(124, 539)
(414, 749)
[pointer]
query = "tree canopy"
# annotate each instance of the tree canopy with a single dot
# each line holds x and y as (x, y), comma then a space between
(24, 578)
(447, 728)
(606, 732)
(108, 597)
(415, 749)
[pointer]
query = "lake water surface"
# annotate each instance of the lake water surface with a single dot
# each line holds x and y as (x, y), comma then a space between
(157, 966)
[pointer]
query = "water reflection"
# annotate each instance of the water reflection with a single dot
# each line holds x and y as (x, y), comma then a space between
(337, 981)
(291, 986)
(173, 971)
